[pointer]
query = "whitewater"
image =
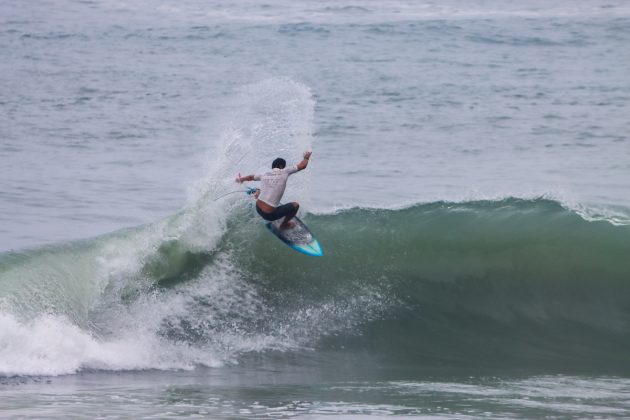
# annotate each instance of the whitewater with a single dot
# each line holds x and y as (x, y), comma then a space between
(468, 183)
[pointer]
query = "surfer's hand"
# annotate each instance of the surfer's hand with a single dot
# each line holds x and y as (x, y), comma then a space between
(257, 193)
(302, 165)
(238, 178)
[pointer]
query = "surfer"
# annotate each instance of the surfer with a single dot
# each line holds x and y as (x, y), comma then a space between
(272, 188)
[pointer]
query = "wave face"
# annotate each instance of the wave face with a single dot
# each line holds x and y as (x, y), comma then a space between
(486, 283)
(513, 282)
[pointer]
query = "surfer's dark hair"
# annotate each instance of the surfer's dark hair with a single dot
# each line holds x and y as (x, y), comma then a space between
(279, 163)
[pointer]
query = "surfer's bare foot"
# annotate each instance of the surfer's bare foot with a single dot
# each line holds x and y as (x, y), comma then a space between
(287, 225)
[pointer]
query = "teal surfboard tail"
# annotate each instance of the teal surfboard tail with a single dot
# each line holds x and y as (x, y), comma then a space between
(313, 249)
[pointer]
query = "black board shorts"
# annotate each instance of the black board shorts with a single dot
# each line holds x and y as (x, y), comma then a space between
(278, 213)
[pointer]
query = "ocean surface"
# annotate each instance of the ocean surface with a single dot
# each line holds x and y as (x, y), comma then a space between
(470, 186)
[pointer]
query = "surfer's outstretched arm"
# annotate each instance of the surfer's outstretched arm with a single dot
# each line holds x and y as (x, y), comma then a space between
(302, 165)
(240, 179)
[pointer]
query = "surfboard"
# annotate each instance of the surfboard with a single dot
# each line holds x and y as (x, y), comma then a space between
(299, 237)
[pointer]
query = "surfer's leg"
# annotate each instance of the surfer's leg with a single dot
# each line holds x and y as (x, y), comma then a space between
(288, 211)
(270, 217)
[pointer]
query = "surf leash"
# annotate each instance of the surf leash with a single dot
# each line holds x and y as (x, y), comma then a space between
(247, 191)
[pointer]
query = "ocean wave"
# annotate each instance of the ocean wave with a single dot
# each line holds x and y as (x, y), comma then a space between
(482, 282)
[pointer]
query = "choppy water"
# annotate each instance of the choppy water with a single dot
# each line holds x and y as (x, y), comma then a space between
(305, 393)
(469, 184)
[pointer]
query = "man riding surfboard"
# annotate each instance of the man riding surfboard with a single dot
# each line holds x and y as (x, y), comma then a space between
(272, 186)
